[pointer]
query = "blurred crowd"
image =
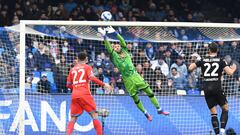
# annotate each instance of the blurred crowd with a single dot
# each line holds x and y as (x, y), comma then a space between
(122, 10)
(163, 65)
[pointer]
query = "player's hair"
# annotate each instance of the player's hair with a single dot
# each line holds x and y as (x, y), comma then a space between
(115, 44)
(173, 68)
(82, 56)
(213, 47)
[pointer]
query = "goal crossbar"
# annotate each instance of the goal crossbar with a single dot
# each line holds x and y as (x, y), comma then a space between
(122, 23)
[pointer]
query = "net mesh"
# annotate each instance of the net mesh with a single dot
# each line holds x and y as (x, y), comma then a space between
(9, 79)
(155, 51)
(160, 34)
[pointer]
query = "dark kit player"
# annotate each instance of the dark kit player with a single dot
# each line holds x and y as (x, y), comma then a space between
(212, 69)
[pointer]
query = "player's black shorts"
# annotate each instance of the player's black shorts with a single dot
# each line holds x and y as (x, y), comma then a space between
(215, 97)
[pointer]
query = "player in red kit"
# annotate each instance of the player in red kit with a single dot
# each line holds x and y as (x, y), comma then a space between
(82, 100)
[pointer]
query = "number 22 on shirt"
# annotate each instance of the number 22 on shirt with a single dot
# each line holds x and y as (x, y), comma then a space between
(78, 76)
(209, 66)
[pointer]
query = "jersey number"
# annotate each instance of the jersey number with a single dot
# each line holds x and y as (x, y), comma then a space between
(80, 79)
(209, 66)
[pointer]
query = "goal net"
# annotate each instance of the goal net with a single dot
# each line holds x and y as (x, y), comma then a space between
(161, 53)
(9, 80)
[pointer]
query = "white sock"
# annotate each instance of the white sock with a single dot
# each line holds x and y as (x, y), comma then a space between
(160, 109)
(222, 130)
(145, 112)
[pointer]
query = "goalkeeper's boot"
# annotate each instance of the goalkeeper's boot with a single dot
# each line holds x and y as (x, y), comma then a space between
(161, 111)
(148, 116)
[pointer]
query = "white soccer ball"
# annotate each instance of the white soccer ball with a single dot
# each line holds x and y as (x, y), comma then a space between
(62, 28)
(106, 16)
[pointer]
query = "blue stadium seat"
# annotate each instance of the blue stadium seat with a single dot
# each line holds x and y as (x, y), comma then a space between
(36, 78)
(193, 92)
(106, 80)
(99, 91)
(34, 50)
(49, 75)
(50, 78)
(36, 74)
(1, 50)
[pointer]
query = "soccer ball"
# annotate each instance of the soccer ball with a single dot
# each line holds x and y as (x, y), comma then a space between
(106, 16)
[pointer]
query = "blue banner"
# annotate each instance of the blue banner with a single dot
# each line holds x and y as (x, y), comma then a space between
(49, 114)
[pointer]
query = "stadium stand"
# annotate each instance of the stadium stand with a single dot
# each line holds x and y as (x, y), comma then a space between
(122, 10)
(59, 53)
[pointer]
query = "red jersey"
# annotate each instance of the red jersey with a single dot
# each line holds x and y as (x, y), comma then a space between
(78, 80)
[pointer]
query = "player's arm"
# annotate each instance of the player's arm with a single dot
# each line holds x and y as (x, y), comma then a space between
(110, 29)
(69, 81)
(230, 69)
(122, 41)
(192, 67)
(107, 44)
(96, 80)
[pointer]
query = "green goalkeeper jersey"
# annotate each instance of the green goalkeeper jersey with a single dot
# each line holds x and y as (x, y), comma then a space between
(124, 64)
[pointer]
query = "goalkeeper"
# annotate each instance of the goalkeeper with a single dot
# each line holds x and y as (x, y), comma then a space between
(132, 80)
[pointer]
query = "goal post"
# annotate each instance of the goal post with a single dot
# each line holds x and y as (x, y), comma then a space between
(22, 78)
(184, 118)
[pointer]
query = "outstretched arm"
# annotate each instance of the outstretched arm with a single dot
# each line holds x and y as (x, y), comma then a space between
(110, 29)
(107, 44)
(96, 80)
(99, 82)
(122, 41)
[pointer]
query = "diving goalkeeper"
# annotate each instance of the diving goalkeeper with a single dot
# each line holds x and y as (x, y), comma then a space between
(132, 80)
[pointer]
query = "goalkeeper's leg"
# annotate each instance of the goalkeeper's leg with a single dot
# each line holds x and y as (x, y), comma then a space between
(154, 101)
(140, 106)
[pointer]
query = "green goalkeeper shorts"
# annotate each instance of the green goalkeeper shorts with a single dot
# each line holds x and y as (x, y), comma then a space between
(134, 83)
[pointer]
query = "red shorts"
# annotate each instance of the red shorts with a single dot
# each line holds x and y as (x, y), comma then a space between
(78, 105)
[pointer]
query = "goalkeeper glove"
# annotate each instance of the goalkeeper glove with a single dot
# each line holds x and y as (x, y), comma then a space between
(110, 30)
(102, 31)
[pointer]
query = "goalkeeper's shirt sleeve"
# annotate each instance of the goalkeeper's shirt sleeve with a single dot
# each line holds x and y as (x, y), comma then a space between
(122, 41)
(108, 45)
